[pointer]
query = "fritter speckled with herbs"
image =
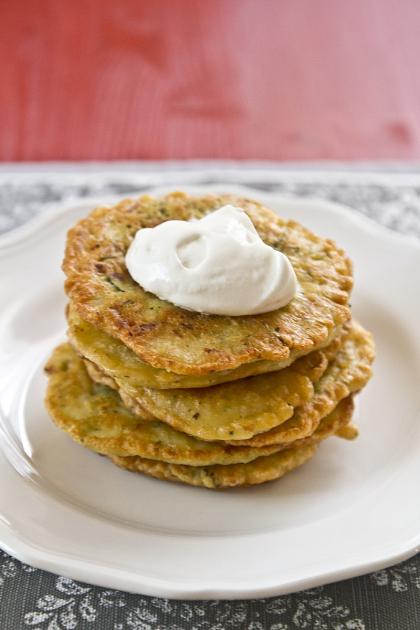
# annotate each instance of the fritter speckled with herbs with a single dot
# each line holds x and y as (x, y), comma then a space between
(347, 374)
(94, 416)
(166, 336)
(267, 409)
(260, 470)
(120, 363)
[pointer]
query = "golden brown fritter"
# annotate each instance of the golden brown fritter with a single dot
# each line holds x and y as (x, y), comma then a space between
(260, 470)
(347, 374)
(267, 409)
(236, 410)
(166, 336)
(95, 416)
(230, 411)
(114, 359)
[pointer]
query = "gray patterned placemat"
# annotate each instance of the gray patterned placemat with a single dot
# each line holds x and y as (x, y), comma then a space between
(385, 600)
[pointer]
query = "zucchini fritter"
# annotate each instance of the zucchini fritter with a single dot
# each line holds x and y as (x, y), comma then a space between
(166, 336)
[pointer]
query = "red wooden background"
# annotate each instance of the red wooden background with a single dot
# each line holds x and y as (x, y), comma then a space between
(274, 79)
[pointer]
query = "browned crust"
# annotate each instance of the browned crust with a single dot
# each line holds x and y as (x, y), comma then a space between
(236, 414)
(184, 342)
(260, 470)
(229, 411)
(218, 476)
(347, 374)
(117, 361)
(94, 416)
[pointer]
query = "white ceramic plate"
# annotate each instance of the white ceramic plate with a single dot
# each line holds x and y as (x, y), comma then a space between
(352, 509)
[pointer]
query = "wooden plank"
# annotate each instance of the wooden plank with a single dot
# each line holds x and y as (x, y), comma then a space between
(269, 79)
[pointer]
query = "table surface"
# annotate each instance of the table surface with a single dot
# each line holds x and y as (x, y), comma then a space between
(220, 79)
(385, 600)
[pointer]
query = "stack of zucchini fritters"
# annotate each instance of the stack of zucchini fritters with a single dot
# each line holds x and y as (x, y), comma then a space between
(208, 400)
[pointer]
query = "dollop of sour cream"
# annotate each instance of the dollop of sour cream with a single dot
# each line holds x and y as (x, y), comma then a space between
(217, 265)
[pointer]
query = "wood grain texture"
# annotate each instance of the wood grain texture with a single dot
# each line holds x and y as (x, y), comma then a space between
(271, 79)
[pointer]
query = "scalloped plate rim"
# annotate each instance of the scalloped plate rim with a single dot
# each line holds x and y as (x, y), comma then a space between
(77, 567)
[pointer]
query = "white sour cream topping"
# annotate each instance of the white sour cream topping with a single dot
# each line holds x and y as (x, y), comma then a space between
(216, 265)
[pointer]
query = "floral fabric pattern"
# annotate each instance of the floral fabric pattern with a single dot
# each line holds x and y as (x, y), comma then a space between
(386, 600)
(30, 598)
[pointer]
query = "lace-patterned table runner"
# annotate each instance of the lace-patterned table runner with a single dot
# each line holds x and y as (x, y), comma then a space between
(385, 600)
